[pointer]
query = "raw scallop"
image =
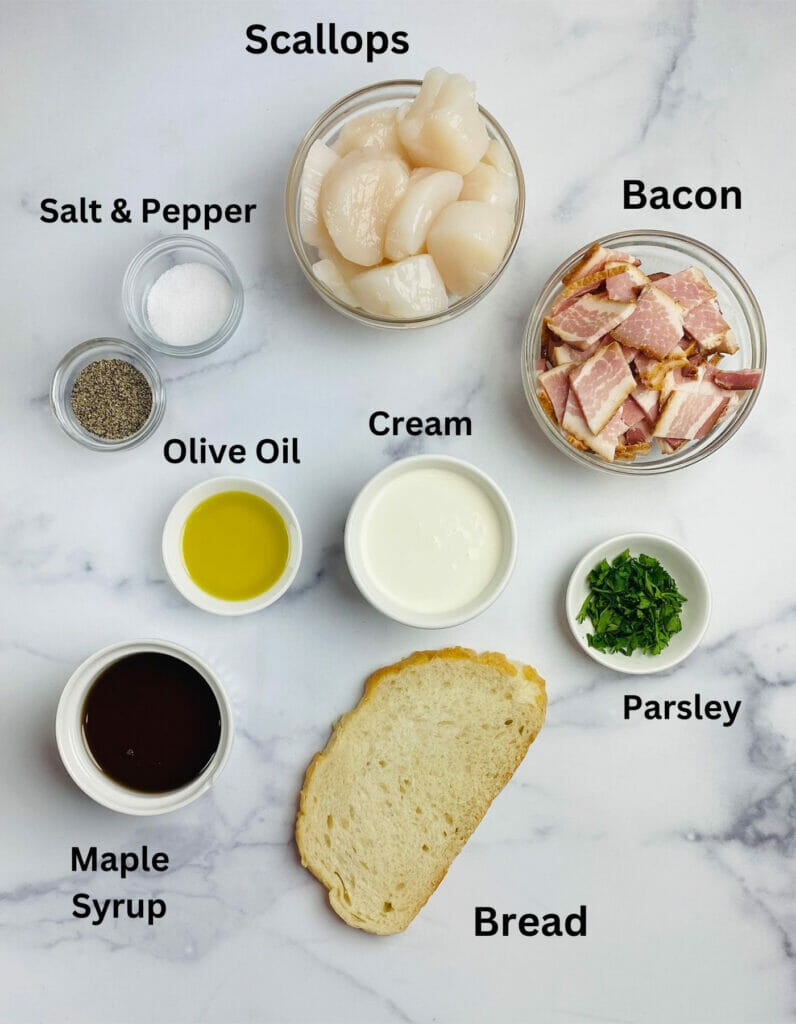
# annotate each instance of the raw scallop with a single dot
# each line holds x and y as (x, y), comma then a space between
(319, 160)
(377, 130)
(484, 184)
(358, 196)
(493, 180)
(468, 241)
(498, 156)
(409, 288)
(328, 273)
(428, 194)
(345, 268)
(443, 126)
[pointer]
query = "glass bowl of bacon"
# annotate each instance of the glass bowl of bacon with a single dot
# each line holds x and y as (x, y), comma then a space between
(644, 353)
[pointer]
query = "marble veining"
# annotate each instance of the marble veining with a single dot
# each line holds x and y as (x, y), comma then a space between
(679, 836)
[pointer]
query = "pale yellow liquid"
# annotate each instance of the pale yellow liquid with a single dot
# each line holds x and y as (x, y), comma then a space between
(235, 545)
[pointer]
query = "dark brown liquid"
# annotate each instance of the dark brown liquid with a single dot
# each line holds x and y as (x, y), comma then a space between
(151, 722)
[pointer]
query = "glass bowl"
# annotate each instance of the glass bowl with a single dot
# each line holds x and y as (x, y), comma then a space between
(76, 360)
(156, 258)
(326, 129)
(666, 252)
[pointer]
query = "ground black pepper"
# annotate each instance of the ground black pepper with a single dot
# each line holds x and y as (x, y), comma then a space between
(111, 399)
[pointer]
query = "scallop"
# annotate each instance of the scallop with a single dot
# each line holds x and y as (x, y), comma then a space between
(498, 156)
(443, 126)
(319, 161)
(467, 241)
(358, 196)
(403, 290)
(485, 184)
(427, 195)
(328, 272)
(377, 130)
(346, 268)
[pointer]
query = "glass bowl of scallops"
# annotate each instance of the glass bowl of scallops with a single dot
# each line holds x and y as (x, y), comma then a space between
(404, 202)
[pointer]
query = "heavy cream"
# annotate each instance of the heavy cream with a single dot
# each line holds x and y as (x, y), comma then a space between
(432, 540)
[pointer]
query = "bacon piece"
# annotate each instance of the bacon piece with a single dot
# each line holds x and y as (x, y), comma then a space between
(711, 422)
(700, 382)
(735, 399)
(737, 380)
(645, 364)
(656, 325)
(653, 371)
(595, 259)
(556, 385)
(576, 443)
(602, 384)
(686, 412)
(564, 302)
(688, 288)
(625, 281)
(627, 452)
(546, 405)
(658, 276)
(564, 353)
(669, 445)
(682, 378)
(548, 340)
(705, 324)
(639, 433)
(575, 424)
(631, 411)
(616, 427)
(729, 344)
(696, 359)
(581, 286)
(647, 400)
(589, 319)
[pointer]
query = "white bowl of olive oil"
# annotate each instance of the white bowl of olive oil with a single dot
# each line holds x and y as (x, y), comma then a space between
(232, 545)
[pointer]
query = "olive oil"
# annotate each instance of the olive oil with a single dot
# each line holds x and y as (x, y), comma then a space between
(235, 545)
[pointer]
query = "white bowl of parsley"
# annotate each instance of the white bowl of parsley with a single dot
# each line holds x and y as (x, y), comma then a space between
(638, 603)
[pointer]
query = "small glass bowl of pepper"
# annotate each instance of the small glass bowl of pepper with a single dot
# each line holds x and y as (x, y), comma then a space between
(107, 394)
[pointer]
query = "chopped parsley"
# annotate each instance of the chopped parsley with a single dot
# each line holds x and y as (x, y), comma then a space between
(634, 604)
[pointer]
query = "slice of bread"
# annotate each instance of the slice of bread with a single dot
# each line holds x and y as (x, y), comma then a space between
(408, 775)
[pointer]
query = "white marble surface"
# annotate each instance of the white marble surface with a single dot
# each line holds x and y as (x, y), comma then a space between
(678, 836)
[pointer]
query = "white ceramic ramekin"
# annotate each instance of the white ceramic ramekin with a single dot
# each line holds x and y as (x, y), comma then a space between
(83, 768)
(357, 563)
(691, 581)
(172, 545)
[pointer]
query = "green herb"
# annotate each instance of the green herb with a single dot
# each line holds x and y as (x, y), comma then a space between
(634, 604)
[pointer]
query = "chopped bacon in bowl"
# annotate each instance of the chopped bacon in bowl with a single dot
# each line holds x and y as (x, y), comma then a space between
(628, 359)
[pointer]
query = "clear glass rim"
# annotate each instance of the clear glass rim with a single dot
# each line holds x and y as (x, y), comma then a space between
(692, 453)
(350, 103)
(170, 243)
(106, 348)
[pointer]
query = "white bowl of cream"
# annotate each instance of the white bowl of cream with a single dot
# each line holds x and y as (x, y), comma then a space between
(431, 541)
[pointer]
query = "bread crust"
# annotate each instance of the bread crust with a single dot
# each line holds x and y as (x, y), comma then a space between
(492, 659)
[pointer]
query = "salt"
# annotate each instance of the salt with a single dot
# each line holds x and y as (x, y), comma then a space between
(188, 303)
